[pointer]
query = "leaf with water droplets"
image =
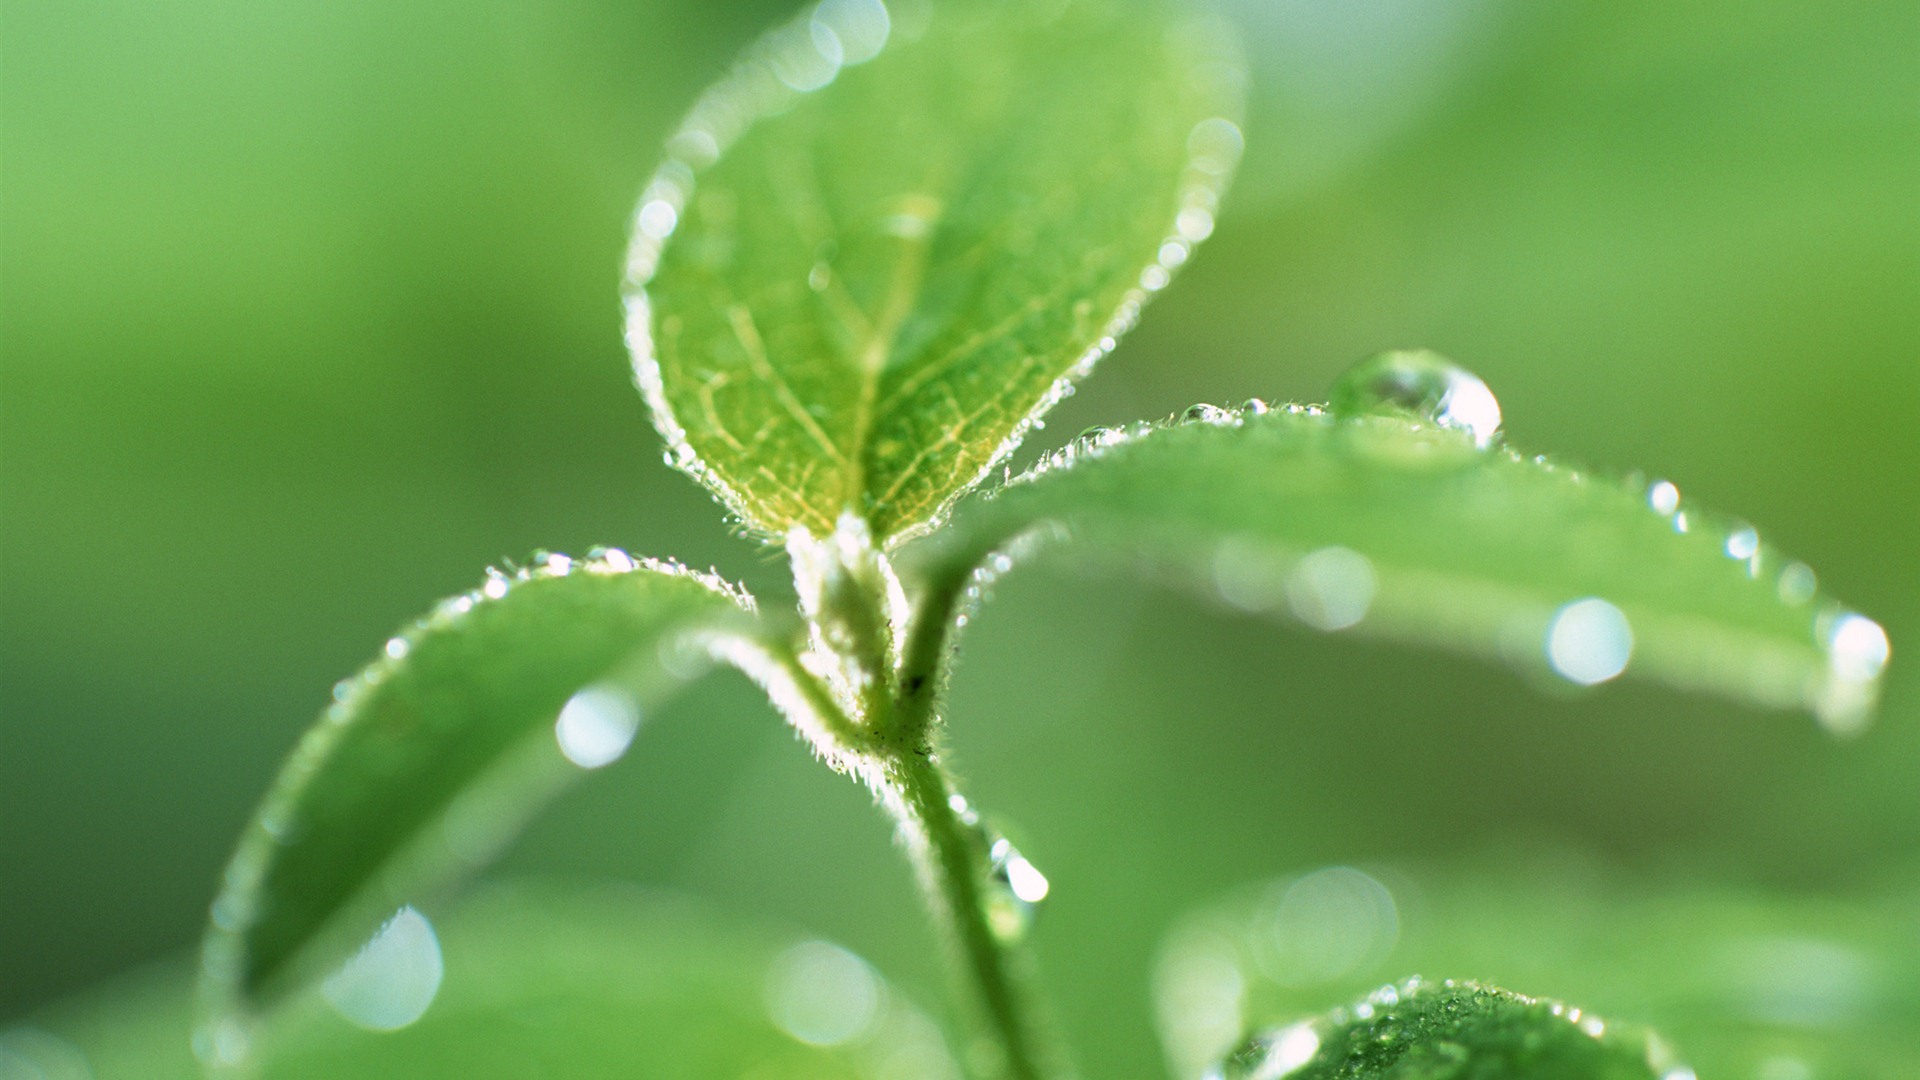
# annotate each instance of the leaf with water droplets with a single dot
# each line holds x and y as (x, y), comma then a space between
(549, 982)
(884, 245)
(1746, 982)
(1451, 1031)
(1395, 519)
(427, 760)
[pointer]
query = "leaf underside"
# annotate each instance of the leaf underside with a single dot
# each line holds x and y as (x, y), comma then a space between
(450, 716)
(867, 298)
(1404, 530)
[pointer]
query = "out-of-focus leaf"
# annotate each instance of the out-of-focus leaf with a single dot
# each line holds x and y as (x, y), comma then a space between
(1740, 983)
(442, 730)
(554, 982)
(1449, 1031)
(1397, 526)
(859, 304)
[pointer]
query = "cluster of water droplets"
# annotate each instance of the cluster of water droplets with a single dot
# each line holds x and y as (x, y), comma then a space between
(1015, 887)
(1396, 1014)
(1855, 648)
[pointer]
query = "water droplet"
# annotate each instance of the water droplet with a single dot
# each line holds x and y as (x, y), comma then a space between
(1743, 543)
(1663, 497)
(1215, 145)
(392, 979)
(1857, 648)
(1331, 589)
(1797, 584)
(397, 648)
(1276, 1054)
(1204, 413)
(1173, 253)
(1021, 878)
(1589, 641)
(1423, 383)
(822, 994)
(1680, 523)
(1331, 925)
(1194, 224)
(656, 219)
(596, 726)
(860, 27)
(1016, 888)
(1155, 277)
(1254, 407)
(819, 277)
(496, 586)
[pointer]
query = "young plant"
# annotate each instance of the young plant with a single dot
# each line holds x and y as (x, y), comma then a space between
(877, 253)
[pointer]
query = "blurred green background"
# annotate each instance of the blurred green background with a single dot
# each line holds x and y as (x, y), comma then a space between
(310, 312)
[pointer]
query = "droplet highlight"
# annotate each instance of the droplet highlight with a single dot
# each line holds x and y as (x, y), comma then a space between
(1425, 384)
(1589, 641)
(596, 726)
(822, 995)
(392, 980)
(1331, 589)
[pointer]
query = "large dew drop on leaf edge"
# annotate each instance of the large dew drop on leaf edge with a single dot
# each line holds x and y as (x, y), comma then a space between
(865, 271)
(1402, 516)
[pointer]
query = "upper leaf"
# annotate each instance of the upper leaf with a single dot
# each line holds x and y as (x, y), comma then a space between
(438, 722)
(1401, 526)
(1451, 1031)
(863, 302)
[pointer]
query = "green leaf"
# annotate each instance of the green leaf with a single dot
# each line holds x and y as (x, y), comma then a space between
(1400, 526)
(859, 279)
(550, 981)
(1742, 982)
(1450, 1031)
(442, 731)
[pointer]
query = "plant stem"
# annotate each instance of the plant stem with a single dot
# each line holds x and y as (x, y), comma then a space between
(951, 857)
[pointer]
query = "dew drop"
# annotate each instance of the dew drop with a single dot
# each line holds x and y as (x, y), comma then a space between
(1205, 414)
(1276, 1054)
(1663, 497)
(392, 979)
(397, 648)
(1194, 224)
(1254, 407)
(1797, 584)
(1155, 277)
(1021, 878)
(596, 726)
(1743, 543)
(1331, 589)
(1423, 383)
(860, 27)
(822, 994)
(1017, 889)
(1589, 641)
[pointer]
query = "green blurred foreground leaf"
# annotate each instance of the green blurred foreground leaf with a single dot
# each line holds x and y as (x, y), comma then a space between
(1741, 983)
(550, 982)
(1450, 1031)
(442, 730)
(862, 303)
(1393, 525)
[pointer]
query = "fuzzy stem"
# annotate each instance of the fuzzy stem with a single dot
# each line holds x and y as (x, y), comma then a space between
(951, 857)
